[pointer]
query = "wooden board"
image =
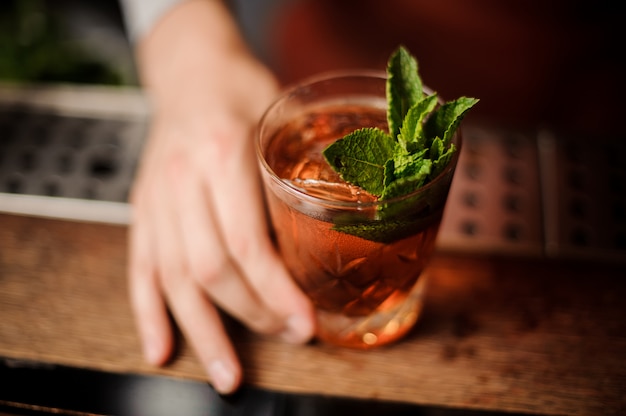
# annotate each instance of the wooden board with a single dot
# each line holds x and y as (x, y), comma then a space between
(503, 334)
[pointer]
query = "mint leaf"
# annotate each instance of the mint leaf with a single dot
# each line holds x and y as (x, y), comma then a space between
(445, 120)
(442, 161)
(410, 175)
(436, 149)
(402, 164)
(411, 136)
(361, 156)
(406, 164)
(403, 89)
(386, 231)
(389, 173)
(440, 156)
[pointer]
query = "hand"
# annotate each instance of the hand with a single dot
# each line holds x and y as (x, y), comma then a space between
(198, 238)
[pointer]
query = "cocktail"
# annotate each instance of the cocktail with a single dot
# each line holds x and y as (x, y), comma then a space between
(359, 257)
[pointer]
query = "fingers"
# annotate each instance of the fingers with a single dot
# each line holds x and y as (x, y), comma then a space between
(149, 307)
(255, 256)
(201, 324)
(158, 279)
(211, 265)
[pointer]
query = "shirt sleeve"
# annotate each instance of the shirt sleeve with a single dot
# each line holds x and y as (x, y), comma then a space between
(141, 15)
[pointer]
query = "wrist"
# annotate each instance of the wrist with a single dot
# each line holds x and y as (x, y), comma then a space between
(195, 59)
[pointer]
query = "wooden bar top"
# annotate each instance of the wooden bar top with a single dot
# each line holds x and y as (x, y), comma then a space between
(506, 334)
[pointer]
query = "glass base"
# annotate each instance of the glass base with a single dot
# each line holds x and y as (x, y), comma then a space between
(387, 324)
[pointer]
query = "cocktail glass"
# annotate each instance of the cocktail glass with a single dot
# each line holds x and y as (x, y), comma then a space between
(358, 259)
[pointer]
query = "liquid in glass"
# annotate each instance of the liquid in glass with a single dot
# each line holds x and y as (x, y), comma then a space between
(367, 291)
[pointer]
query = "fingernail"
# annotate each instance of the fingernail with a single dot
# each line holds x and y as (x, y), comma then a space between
(297, 329)
(152, 352)
(222, 378)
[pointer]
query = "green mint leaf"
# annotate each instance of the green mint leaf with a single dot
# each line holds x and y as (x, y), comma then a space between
(403, 164)
(406, 164)
(436, 149)
(411, 136)
(386, 231)
(389, 173)
(404, 88)
(445, 120)
(361, 156)
(410, 175)
(442, 161)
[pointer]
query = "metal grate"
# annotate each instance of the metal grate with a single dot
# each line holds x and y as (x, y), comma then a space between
(68, 151)
(67, 156)
(584, 195)
(538, 194)
(494, 204)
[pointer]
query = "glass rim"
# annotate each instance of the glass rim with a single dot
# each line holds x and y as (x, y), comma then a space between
(300, 193)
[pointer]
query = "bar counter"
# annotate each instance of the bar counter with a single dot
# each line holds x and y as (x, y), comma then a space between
(498, 333)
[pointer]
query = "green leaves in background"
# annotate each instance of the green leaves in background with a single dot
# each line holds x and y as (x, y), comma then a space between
(35, 47)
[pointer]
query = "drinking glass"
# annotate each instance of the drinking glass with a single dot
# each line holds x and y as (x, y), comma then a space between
(360, 260)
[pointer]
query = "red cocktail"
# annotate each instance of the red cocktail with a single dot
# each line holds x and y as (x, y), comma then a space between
(360, 260)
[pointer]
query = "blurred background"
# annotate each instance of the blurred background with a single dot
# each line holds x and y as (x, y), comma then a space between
(558, 63)
(64, 41)
(544, 166)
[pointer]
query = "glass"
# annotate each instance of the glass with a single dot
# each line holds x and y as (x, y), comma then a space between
(358, 259)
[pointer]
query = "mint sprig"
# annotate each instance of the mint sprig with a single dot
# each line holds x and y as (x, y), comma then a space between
(417, 146)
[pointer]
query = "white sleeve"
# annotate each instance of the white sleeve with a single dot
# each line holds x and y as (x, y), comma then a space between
(141, 15)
